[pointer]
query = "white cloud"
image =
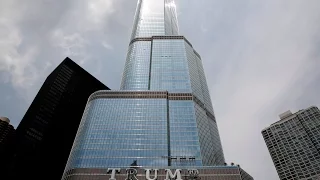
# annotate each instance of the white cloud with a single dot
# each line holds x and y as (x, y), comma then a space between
(261, 58)
(72, 45)
(203, 28)
(98, 10)
(16, 63)
(19, 52)
(74, 33)
(35, 36)
(107, 46)
(264, 51)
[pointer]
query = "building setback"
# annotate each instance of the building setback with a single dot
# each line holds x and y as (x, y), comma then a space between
(47, 130)
(162, 116)
(294, 144)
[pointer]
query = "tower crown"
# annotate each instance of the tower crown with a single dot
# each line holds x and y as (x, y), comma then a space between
(155, 18)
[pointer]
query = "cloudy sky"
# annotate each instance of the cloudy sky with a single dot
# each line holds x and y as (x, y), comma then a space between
(261, 58)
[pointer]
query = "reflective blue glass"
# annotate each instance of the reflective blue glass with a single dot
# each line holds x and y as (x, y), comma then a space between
(162, 115)
(149, 19)
(169, 67)
(116, 132)
(155, 18)
(136, 71)
(170, 18)
(184, 139)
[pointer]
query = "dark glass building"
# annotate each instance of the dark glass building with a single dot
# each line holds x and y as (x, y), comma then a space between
(45, 135)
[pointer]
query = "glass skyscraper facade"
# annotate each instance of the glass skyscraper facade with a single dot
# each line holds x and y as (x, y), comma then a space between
(162, 115)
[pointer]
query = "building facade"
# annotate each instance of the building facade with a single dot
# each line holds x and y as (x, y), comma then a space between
(7, 136)
(7, 133)
(45, 135)
(163, 173)
(162, 116)
(294, 144)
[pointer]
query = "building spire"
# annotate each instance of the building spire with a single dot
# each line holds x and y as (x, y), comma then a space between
(155, 18)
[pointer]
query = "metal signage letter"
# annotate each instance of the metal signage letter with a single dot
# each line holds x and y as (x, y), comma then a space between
(193, 173)
(113, 172)
(176, 174)
(148, 174)
(131, 174)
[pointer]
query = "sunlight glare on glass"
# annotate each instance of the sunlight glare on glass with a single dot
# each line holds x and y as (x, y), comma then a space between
(171, 4)
(153, 6)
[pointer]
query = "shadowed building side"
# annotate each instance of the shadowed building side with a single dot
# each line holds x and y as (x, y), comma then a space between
(7, 135)
(46, 132)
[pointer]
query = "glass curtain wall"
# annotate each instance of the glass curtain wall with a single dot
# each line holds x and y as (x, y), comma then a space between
(162, 115)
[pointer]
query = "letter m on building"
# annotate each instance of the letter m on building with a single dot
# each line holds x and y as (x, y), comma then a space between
(176, 175)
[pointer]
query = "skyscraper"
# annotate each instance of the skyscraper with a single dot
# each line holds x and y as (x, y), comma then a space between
(45, 135)
(7, 134)
(294, 144)
(162, 115)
